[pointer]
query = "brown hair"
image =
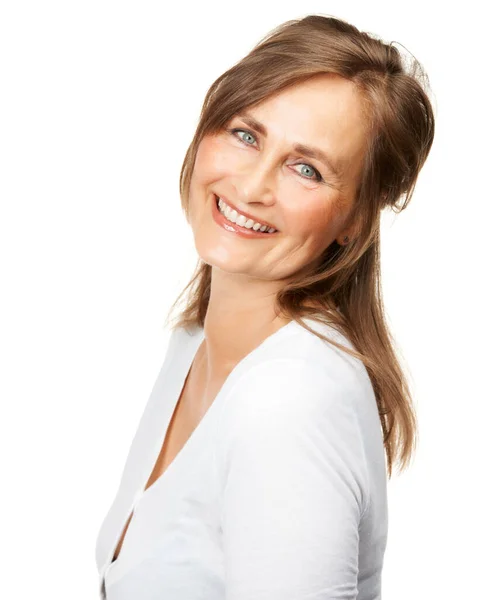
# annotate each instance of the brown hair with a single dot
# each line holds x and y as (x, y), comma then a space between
(345, 285)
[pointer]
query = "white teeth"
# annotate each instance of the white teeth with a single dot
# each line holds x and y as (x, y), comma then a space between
(241, 220)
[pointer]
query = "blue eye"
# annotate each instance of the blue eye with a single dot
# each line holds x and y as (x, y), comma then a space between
(234, 131)
(317, 174)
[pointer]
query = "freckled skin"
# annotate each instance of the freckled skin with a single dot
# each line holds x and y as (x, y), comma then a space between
(264, 178)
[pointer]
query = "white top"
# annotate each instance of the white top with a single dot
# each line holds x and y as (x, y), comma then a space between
(279, 493)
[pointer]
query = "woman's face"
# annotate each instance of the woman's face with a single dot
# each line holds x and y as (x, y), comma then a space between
(264, 175)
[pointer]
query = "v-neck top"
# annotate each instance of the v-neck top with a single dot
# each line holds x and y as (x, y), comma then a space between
(279, 492)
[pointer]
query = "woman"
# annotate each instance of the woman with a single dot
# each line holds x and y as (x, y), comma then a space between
(258, 468)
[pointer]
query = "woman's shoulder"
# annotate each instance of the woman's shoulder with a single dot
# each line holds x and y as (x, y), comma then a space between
(296, 363)
(313, 355)
(291, 406)
(300, 378)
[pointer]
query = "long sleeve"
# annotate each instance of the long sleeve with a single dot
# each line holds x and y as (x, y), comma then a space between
(295, 484)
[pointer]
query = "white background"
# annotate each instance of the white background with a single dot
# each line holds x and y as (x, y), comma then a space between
(98, 103)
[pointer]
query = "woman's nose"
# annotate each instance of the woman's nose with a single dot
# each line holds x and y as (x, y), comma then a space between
(257, 183)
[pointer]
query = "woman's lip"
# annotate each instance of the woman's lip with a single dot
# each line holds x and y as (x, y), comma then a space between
(221, 220)
(254, 219)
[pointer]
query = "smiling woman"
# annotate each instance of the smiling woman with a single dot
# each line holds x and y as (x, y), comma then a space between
(259, 467)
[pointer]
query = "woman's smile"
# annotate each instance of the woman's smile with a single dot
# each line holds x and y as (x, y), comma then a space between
(225, 220)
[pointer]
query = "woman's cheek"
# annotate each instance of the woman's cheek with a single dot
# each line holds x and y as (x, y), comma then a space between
(218, 157)
(313, 219)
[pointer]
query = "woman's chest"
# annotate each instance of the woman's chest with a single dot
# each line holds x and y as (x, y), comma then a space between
(184, 421)
(179, 514)
(189, 412)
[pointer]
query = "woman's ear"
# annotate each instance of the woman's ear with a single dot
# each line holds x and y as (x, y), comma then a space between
(351, 228)
(347, 235)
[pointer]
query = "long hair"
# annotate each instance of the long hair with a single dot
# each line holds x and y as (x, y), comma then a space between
(345, 283)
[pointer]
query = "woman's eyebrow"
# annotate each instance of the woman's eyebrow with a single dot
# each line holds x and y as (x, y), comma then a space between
(336, 167)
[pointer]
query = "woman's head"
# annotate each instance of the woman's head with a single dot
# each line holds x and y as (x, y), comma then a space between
(322, 82)
(258, 165)
(331, 65)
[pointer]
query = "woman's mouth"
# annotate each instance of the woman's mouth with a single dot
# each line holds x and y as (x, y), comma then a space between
(243, 225)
